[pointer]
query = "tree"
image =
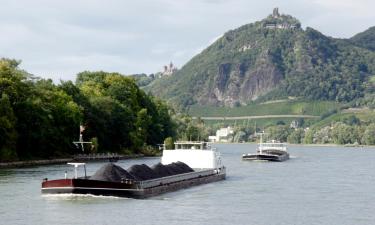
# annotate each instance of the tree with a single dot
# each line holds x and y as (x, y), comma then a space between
(8, 133)
(142, 124)
(279, 133)
(309, 137)
(48, 119)
(296, 136)
(168, 143)
(111, 123)
(344, 134)
(369, 135)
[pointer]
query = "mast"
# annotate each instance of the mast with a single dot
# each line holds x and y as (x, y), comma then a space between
(80, 140)
(260, 143)
(255, 132)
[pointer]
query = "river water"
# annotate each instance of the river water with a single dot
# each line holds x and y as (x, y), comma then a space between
(318, 185)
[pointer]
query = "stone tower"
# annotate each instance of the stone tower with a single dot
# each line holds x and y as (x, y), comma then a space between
(275, 13)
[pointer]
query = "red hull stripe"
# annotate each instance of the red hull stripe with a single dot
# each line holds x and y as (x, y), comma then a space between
(89, 188)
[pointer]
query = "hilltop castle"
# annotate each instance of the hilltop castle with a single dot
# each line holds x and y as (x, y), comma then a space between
(169, 70)
(276, 21)
(275, 13)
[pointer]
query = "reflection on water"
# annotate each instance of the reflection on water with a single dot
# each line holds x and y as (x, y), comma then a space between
(318, 185)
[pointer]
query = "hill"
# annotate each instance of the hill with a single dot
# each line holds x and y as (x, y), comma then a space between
(365, 39)
(296, 108)
(270, 59)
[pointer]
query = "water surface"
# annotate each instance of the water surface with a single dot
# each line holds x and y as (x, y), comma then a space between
(318, 185)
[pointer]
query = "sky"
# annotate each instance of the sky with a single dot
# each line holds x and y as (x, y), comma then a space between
(56, 39)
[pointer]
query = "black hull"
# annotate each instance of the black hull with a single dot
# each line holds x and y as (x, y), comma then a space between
(82, 186)
(266, 157)
(92, 191)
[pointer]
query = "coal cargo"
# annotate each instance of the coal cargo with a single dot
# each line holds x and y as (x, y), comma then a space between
(111, 172)
(114, 173)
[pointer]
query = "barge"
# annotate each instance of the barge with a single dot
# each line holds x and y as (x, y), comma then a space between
(269, 151)
(189, 164)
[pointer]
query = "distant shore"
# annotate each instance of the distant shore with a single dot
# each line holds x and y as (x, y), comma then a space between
(29, 163)
(310, 145)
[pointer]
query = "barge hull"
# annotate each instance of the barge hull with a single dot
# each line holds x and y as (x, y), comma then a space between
(274, 158)
(84, 186)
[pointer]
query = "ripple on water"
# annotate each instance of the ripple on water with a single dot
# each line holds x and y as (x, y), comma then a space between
(318, 185)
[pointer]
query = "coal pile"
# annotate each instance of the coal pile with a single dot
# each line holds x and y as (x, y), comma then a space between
(114, 173)
(179, 167)
(111, 172)
(142, 172)
(162, 170)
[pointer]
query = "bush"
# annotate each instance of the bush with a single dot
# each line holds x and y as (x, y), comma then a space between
(168, 143)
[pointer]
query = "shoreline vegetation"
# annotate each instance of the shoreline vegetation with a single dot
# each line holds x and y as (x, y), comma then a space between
(42, 162)
(308, 145)
(42, 120)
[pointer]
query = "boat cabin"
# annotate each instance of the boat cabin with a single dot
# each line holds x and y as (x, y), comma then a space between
(196, 154)
(191, 145)
(273, 146)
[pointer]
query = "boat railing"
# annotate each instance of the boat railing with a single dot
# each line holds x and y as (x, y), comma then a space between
(97, 156)
(276, 146)
(193, 145)
(174, 178)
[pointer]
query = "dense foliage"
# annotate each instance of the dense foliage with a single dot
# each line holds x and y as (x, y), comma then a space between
(39, 119)
(117, 108)
(365, 39)
(341, 128)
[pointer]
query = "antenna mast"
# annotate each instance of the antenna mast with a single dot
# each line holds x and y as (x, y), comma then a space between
(80, 140)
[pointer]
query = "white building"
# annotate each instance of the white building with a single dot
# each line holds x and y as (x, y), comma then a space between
(222, 135)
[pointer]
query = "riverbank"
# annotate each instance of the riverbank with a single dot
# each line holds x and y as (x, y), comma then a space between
(30, 163)
(308, 145)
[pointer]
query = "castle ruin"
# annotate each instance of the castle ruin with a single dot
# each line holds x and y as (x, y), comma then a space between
(275, 13)
(169, 69)
(281, 24)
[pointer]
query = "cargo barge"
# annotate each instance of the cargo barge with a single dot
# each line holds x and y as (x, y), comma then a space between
(269, 151)
(189, 164)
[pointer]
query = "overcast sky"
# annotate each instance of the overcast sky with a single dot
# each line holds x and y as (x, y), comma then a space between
(57, 39)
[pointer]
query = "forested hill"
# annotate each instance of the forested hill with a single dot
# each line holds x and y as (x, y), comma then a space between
(365, 39)
(271, 59)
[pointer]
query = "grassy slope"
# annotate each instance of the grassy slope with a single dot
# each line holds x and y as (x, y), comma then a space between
(252, 122)
(364, 116)
(278, 108)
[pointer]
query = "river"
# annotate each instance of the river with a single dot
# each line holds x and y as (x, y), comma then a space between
(318, 185)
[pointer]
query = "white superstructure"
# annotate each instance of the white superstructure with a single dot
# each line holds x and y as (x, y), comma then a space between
(197, 155)
(272, 146)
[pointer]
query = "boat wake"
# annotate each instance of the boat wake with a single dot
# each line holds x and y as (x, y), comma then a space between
(70, 196)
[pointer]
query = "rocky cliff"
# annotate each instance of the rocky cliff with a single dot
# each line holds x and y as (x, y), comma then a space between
(270, 59)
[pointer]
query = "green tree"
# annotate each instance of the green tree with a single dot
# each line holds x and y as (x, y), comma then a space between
(344, 134)
(8, 133)
(49, 118)
(169, 143)
(369, 135)
(309, 137)
(142, 124)
(296, 136)
(279, 133)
